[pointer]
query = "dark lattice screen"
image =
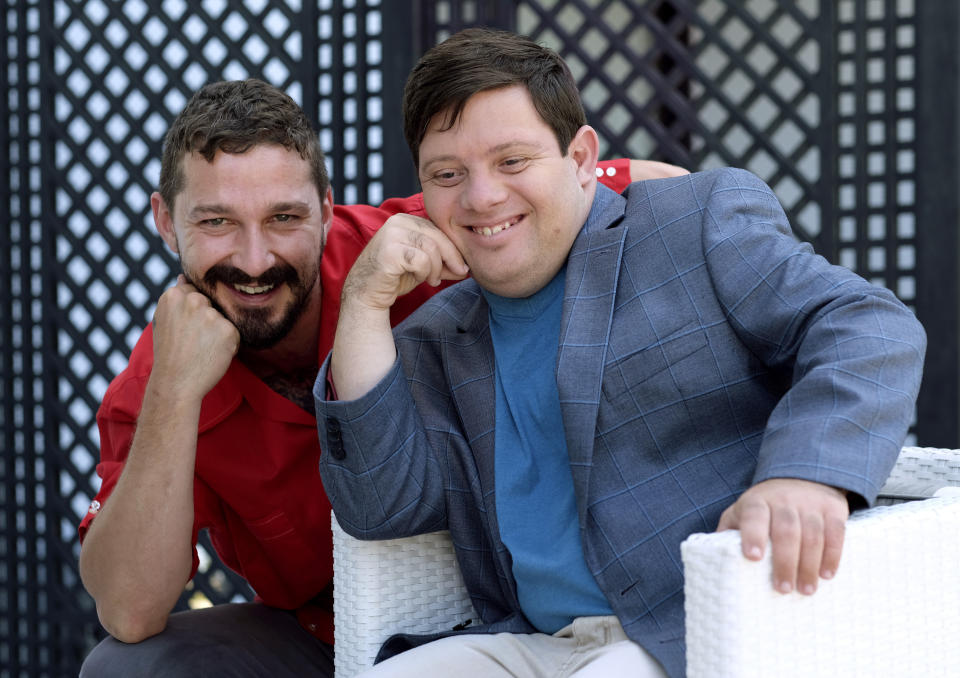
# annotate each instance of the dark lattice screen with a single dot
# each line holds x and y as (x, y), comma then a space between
(835, 103)
(92, 88)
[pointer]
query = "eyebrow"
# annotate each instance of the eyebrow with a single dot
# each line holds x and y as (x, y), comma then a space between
(499, 148)
(216, 209)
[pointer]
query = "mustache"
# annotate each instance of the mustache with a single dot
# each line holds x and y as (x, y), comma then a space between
(230, 275)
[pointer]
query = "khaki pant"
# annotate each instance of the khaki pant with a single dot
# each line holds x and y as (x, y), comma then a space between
(590, 647)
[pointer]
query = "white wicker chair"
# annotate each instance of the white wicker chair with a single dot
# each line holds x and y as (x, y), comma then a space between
(892, 610)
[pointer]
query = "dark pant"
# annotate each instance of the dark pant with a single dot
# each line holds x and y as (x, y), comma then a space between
(236, 640)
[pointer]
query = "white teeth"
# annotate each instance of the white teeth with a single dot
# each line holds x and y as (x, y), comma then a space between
(492, 230)
(247, 289)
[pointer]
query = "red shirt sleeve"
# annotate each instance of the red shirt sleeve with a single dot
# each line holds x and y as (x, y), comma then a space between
(116, 421)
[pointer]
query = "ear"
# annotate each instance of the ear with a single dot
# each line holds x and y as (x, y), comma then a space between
(584, 150)
(164, 221)
(326, 211)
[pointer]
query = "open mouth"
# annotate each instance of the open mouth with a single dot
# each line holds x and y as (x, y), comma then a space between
(487, 231)
(253, 289)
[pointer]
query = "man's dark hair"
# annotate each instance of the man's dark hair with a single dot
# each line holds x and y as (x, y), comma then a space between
(233, 117)
(480, 59)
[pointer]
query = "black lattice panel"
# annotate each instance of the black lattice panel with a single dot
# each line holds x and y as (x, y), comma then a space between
(349, 58)
(876, 138)
(96, 86)
(29, 552)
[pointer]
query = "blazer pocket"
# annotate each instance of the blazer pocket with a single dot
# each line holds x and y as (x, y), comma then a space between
(634, 370)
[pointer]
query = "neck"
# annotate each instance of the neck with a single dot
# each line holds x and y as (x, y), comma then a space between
(290, 366)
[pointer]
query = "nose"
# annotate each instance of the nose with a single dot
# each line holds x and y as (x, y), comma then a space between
(482, 191)
(253, 254)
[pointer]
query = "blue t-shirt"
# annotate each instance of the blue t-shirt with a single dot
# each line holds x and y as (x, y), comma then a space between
(536, 506)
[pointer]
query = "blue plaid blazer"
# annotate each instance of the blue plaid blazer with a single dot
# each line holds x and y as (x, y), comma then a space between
(702, 349)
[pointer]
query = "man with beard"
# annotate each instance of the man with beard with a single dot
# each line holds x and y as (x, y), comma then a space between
(211, 425)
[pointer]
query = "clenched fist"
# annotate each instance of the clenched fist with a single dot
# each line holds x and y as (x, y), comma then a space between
(193, 343)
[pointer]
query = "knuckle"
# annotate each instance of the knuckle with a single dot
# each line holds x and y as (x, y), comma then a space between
(813, 521)
(812, 537)
(786, 526)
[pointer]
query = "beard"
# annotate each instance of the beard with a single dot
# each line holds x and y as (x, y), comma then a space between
(257, 332)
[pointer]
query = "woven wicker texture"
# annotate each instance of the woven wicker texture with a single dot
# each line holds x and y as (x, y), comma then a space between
(893, 608)
(873, 619)
(919, 472)
(410, 585)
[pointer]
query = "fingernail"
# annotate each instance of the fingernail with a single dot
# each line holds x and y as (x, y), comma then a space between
(827, 574)
(755, 552)
(784, 587)
(808, 590)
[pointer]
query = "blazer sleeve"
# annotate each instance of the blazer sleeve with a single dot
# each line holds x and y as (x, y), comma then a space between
(852, 352)
(380, 474)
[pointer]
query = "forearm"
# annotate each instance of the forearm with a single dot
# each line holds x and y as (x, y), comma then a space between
(363, 349)
(137, 556)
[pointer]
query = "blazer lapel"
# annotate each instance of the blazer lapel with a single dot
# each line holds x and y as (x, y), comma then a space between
(470, 364)
(591, 283)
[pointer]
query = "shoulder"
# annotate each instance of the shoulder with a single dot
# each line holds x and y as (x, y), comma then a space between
(360, 222)
(353, 226)
(706, 198)
(696, 187)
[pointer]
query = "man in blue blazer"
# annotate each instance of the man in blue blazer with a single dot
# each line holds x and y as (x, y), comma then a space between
(618, 373)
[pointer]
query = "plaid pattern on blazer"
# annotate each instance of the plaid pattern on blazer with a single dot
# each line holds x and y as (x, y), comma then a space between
(702, 349)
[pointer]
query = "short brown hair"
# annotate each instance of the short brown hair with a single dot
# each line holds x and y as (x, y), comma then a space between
(480, 59)
(233, 117)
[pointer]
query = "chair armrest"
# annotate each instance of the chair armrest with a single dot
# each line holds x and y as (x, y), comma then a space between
(893, 608)
(380, 588)
(919, 473)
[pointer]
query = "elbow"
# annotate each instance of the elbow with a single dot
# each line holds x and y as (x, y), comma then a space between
(131, 626)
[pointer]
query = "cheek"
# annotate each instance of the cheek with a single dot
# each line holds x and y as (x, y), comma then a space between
(457, 235)
(203, 249)
(440, 205)
(305, 254)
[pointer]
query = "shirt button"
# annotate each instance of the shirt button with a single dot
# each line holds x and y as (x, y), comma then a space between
(311, 627)
(94, 506)
(599, 171)
(611, 171)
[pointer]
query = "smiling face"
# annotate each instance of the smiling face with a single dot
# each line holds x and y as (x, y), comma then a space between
(498, 186)
(249, 229)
